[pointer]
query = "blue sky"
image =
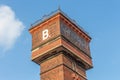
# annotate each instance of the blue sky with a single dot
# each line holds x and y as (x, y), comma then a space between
(100, 18)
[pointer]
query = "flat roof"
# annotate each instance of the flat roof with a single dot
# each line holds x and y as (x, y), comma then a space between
(46, 17)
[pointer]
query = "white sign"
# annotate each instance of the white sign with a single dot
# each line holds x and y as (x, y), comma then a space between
(45, 34)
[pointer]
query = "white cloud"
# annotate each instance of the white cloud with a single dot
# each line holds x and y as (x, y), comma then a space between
(10, 27)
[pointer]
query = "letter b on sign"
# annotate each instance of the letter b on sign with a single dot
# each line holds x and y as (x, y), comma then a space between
(45, 34)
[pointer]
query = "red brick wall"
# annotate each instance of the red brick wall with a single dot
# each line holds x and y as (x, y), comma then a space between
(52, 25)
(61, 68)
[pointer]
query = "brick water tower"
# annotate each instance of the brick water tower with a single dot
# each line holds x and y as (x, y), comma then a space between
(61, 48)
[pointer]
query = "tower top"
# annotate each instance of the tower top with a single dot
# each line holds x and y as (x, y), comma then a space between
(52, 14)
(61, 47)
(58, 32)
